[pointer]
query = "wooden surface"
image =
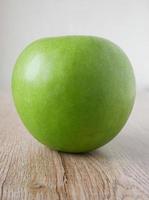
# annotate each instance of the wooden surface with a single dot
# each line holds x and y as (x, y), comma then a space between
(119, 170)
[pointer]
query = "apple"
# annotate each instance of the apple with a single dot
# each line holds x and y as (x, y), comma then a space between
(73, 93)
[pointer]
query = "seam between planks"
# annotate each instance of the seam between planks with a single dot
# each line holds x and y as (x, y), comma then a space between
(65, 177)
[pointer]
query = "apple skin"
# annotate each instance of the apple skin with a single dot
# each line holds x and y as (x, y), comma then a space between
(73, 93)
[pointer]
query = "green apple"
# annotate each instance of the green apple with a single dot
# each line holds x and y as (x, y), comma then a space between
(73, 93)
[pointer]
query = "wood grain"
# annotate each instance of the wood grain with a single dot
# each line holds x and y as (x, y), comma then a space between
(119, 170)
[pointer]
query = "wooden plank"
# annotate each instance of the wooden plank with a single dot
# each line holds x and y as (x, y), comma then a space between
(119, 170)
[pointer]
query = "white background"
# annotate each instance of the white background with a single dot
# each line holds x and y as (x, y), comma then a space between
(125, 22)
